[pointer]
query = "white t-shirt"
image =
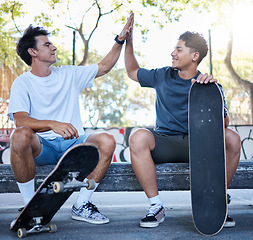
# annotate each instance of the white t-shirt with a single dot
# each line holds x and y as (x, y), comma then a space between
(55, 97)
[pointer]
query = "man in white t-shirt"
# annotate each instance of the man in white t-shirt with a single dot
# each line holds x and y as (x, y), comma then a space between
(44, 104)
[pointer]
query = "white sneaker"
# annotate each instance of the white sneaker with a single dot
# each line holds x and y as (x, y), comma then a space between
(229, 222)
(13, 221)
(88, 213)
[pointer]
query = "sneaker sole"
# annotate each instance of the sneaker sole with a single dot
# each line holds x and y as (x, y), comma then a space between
(88, 220)
(229, 224)
(151, 224)
(12, 223)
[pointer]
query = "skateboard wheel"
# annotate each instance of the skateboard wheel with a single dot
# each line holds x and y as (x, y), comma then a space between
(52, 228)
(22, 232)
(58, 187)
(91, 184)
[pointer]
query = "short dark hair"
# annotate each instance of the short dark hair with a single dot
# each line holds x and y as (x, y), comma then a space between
(28, 41)
(196, 42)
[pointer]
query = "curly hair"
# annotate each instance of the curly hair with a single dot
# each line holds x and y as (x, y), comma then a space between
(196, 42)
(28, 41)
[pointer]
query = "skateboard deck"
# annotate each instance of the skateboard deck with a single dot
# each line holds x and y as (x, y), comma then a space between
(207, 158)
(68, 175)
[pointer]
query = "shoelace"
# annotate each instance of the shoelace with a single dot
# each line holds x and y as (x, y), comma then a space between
(90, 207)
(152, 210)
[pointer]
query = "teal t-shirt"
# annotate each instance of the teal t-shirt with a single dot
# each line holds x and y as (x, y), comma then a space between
(171, 98)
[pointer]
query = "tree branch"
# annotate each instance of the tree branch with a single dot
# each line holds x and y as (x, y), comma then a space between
(228, 62)
(245, 84)
(13, 18)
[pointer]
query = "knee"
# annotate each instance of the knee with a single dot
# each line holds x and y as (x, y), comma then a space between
(233, 142)
(135, 140)
(141, 139)
(21, 138)
(106, 143)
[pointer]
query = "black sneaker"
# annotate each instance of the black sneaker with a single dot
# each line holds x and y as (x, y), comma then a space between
(155, 215)
(229, 222)
(228, 198)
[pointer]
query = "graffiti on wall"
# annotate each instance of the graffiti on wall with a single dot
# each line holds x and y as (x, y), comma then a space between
(121, 136)
(246, 134)
(5, 145)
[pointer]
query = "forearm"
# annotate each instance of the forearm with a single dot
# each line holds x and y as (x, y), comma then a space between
(66, 130)
(34, 124)
(112, 57)
(131, 63)
(109, 60)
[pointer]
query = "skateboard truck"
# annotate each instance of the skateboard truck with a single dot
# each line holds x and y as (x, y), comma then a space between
(70, 183)
(36, 227)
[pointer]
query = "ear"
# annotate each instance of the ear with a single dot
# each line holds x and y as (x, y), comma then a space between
(32, 52)
(195, 56)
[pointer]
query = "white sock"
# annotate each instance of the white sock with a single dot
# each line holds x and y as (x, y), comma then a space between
(84, 195)
(155, 200)
(27, 190)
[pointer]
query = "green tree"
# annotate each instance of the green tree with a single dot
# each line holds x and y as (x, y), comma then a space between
(244, 82)
(106, 101)
(166, 11)
(239, 114)
(162, 12)
(238, 81)
(10, 64)
(63, 56)
(9, 11)
(159, 12)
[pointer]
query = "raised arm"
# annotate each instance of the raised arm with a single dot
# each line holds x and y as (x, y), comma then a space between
(112, 57)
(131, 63)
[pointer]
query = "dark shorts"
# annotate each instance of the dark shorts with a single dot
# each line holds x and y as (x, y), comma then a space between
(53, 149)
(170, 148)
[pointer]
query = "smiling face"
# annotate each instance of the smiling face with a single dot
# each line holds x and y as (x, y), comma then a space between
(44, 51)
(184, 58)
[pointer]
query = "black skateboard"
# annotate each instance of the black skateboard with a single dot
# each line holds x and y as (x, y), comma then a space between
(68, 175)
(207, 158)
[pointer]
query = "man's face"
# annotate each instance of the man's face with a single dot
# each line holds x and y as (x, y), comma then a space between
(182, 57)
(45, 50)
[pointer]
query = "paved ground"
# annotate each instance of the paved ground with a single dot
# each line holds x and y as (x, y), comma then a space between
(126, 209)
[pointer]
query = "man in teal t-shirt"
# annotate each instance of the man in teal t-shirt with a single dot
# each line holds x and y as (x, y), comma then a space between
(168, 142)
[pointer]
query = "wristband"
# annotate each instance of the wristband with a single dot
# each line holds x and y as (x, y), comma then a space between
(118, 41)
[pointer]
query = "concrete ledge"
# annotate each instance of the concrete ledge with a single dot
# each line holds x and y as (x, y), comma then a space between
(120, 177)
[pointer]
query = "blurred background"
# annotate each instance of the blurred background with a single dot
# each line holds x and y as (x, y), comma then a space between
(84, 31)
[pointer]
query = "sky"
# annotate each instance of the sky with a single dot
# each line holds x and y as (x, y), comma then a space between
(156, 50)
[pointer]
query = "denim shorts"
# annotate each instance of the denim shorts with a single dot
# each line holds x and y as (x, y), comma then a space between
(53, 149)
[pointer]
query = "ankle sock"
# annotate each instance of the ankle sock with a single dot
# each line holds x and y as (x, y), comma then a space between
(84, 195)
(27, 190)
(155, 200)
